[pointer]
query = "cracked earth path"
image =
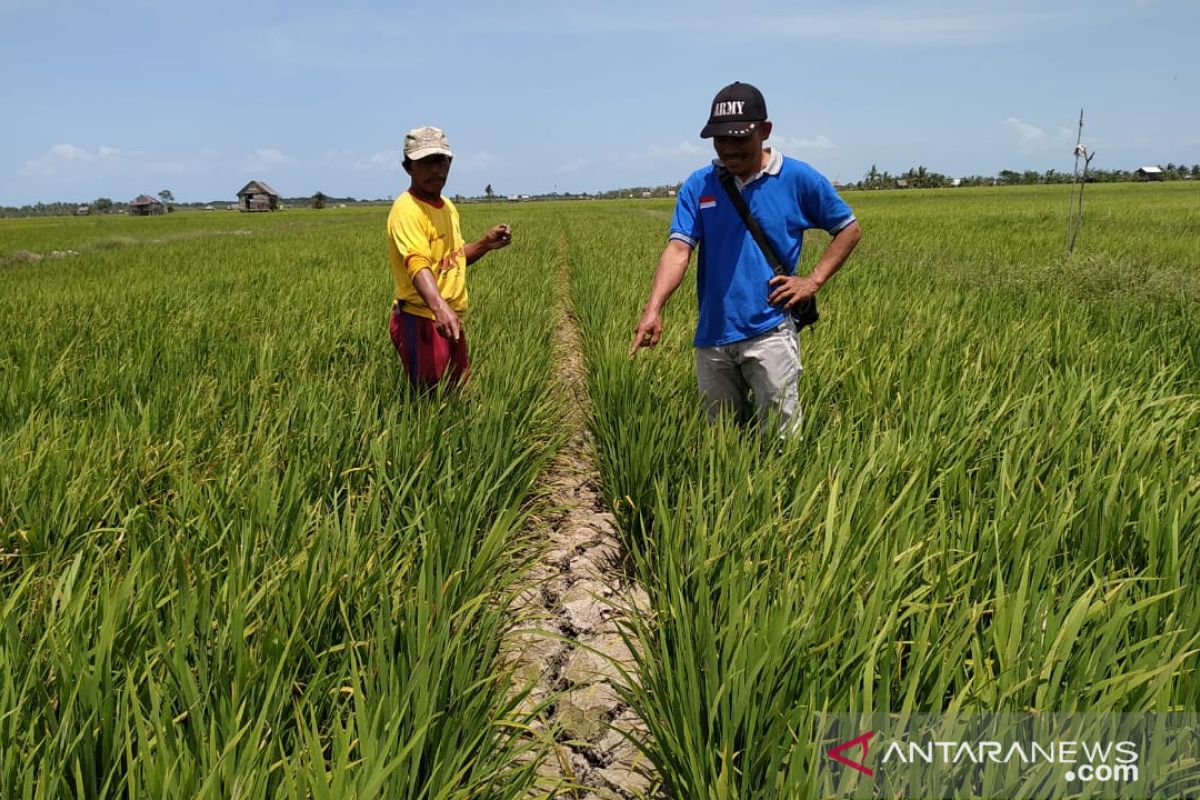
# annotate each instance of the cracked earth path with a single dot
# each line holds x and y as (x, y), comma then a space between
(565, 639)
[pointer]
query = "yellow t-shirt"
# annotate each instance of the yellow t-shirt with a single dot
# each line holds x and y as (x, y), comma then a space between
(424, 236)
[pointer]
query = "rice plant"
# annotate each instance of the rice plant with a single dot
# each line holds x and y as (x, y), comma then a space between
(994, 506)
(237, 559)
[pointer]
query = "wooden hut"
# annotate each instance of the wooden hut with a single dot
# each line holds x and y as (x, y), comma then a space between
(257, 196)
(145, 206)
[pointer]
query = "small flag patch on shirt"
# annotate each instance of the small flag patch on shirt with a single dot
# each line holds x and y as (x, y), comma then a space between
(708, 201)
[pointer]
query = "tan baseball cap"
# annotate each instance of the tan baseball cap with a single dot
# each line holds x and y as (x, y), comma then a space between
(426, 141)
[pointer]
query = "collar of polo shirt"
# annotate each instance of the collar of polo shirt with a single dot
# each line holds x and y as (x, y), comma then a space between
(774, 164)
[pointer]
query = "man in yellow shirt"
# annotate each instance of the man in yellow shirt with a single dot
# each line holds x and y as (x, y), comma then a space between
(429, 261)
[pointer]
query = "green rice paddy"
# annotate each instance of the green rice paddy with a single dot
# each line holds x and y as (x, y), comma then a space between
(237, 559)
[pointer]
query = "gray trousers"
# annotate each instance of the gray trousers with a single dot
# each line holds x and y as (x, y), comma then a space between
(754, 380)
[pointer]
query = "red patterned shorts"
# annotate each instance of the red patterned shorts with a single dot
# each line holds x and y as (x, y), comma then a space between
(428, 357)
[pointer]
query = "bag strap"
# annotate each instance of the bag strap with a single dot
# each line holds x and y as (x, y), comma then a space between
(756, 231)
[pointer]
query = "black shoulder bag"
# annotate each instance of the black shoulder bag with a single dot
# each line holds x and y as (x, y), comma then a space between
(803, 313)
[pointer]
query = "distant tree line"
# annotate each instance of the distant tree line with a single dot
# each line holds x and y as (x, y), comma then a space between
(56, 209)
(922, 178)
(490, 195)
(914, 178)
(105, 205)
(666, 190)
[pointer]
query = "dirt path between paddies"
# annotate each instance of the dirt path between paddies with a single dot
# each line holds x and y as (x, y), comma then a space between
(566, 639)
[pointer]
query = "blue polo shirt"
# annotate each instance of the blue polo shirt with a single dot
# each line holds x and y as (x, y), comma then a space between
(732, 275)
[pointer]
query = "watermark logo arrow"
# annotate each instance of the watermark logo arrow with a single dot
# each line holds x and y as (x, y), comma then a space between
(836, 753)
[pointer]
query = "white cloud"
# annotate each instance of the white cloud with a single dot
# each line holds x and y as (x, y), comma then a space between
(476, 162)
(390, 160)
(270, 156)
(68, 152)
(682, 157)
(264, 158)
(685, 149)
(280, 45)
(818, 143)
(1029, 137)
(333, 38)
(879, 24)
(169, 168)
(68, 157)
(574, 165)
(111, 171)
(386, 160)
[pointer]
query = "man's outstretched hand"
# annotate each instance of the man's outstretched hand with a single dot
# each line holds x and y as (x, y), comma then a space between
(648, 332)
(498, 236)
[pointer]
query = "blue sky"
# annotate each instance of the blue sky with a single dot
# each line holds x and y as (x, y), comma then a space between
(127, 97)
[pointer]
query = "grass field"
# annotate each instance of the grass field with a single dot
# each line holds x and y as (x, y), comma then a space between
(236, 560)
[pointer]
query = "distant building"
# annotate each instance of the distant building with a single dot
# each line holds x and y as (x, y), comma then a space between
(1150, 173)
(146, 206)
(257, 196)
(83, 211)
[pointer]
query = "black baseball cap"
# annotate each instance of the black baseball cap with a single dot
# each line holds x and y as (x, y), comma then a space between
(736, 111)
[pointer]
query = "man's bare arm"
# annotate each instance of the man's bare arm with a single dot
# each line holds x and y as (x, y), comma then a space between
(786, 291)
(497, 237)
(672, 265)
(444, 319)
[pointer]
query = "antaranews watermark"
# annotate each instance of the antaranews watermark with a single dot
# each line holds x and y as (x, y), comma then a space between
(1010, 755)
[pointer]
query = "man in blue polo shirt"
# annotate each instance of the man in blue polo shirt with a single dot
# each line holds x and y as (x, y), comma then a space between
(747, 353)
